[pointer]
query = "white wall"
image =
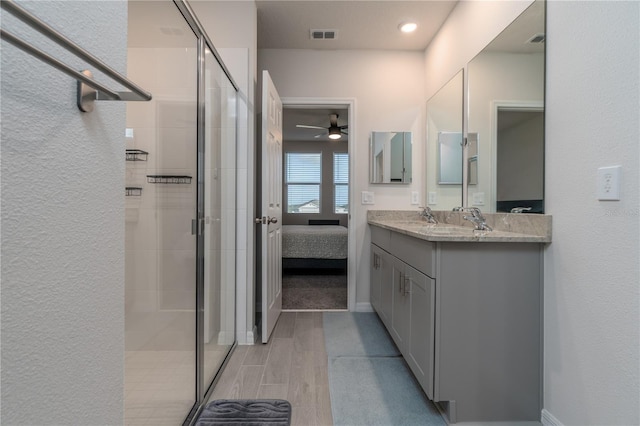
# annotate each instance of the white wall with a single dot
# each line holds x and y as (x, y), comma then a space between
(591, 268)
(388, 88)
(62, 227)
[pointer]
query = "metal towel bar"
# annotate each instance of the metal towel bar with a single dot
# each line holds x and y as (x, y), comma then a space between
(86, 95)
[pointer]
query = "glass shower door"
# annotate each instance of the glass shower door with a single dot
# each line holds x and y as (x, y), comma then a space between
(219, 213)
(160, 252)
(180, 253)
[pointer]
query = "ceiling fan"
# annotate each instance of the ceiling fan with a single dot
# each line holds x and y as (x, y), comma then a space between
(334, 131)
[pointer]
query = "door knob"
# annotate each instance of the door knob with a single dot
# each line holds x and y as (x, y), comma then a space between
(266, 220)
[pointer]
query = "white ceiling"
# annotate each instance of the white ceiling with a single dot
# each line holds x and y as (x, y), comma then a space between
(362, 24)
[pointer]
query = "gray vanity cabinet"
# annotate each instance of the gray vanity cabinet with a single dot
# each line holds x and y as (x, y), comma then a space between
(467, 318)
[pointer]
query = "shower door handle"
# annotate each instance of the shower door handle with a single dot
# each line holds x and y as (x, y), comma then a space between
(197, 226)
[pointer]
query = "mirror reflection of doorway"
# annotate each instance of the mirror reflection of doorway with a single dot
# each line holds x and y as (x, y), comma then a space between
(316, 206)
(520, 160)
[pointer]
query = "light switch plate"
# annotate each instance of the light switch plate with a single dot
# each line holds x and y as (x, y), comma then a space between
(609, 183)
(433, 198)
(367, 197)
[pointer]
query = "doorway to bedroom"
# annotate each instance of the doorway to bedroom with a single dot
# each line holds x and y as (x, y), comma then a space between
(315, 217)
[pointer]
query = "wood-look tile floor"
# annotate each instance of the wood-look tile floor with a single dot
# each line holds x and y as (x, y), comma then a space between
(292, 366)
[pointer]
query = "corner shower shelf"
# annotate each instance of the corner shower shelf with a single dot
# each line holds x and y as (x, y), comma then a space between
(133, 191)
(169, 179)
(136, 155)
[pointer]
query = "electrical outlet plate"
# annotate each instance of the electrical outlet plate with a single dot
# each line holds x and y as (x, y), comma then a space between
(609, 183)
(433, 198)
(478, 199)
(415, 199)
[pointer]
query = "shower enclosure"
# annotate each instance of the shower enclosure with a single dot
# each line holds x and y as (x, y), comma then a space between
(180, 215)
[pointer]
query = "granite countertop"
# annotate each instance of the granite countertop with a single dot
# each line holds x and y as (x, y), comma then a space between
(507, 227)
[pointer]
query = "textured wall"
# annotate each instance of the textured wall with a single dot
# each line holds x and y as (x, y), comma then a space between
(591, 268)
(62, 227)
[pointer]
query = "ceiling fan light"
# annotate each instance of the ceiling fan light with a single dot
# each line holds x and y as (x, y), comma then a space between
(334, 133)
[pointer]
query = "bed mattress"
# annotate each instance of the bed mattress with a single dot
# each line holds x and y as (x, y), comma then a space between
(314, 242)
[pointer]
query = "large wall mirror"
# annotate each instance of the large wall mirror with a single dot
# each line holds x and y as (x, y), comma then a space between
(506, 117)
(444, 146)
(390, 160)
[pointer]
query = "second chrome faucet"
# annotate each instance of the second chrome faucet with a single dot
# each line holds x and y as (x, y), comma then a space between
(427, 214)
(476, 218)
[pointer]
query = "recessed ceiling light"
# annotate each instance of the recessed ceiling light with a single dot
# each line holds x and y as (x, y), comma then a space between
(408, 27)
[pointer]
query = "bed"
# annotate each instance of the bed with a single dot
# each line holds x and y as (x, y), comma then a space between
(314, 246)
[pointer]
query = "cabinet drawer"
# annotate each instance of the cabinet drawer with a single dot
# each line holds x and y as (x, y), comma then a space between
(381, 237)
(418, 253)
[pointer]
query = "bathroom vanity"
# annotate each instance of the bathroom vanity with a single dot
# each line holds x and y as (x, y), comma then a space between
(465, 309)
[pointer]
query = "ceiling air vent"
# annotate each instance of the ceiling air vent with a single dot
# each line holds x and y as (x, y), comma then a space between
(536, 39)
(324, 34)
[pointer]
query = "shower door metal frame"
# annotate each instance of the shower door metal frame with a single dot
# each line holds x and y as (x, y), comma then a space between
(203, 390)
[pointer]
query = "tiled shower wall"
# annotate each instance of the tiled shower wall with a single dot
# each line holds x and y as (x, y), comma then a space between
(160, 251)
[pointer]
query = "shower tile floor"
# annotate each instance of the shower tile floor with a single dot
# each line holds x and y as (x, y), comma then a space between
(160, 385)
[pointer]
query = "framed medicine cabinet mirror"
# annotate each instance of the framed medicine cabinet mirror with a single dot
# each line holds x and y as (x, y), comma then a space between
(390, 160)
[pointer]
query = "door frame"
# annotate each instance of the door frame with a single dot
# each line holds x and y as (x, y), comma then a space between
(350, 104)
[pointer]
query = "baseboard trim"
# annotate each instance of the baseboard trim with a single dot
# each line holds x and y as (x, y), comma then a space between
(364, 307)
(549, 419)
(248, 338)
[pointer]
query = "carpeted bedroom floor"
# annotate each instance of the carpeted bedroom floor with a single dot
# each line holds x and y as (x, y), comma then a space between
(311, 289)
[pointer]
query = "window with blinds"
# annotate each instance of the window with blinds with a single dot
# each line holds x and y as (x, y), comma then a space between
(341, 182)
(303, 176)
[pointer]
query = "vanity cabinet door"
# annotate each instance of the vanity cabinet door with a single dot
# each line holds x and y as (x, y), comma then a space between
(381, 285)
(400, 300)
(419, 351)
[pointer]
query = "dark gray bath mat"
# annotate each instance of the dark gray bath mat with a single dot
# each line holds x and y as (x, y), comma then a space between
(246, 412)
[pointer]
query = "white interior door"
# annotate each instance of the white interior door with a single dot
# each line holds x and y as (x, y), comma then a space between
(271, 206)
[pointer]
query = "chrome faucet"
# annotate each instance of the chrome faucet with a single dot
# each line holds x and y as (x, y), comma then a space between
(427, 213)
(520, 209)
(477, 219)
